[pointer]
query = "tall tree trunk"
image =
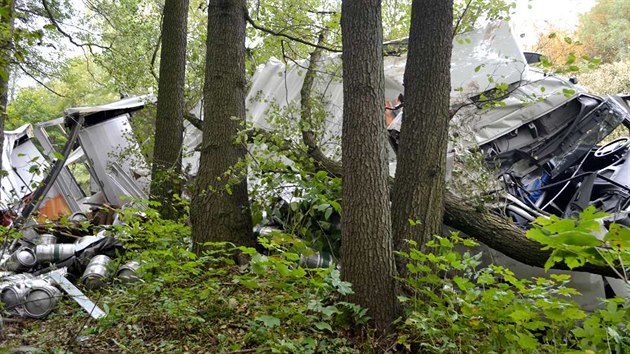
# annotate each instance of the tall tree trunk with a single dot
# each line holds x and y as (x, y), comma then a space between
(169, 126)
(220, 207)
(419, 187)
(6, 43)
(366, 247)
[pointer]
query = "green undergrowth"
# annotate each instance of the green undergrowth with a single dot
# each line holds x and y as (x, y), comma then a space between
(205, 304)
(210, 304)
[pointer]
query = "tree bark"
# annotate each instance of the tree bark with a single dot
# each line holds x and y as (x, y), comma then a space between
(420, 174)
(169, 120)
(220, 207)
(366, 246)
(500, 234)
(6, 50)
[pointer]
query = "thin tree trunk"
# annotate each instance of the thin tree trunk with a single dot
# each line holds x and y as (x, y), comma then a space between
(6, 44)
(220, 207)
(169, 123)
(419, 187)
(366, 247)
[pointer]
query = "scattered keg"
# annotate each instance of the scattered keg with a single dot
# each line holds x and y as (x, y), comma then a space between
(13, 296)
(40, 300)
(316, 260)
(96, 273)
(21, 260)
(54, 253)
(46, 239)
(127, 272)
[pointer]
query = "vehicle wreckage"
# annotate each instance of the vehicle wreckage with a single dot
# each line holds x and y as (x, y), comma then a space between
(540, 134)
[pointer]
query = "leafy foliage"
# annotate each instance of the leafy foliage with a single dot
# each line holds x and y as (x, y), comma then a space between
(605, 30)
(584, 240)
(454, 305)
(270, 304)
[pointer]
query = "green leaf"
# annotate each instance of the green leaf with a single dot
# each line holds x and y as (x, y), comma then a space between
(618, 236)
(269, 321)
(521, 315)
(323, 326)
(577, 238)
(591, 213)
(568, 92)
(249, 283)
(328, 213)
(527, 341)
(561, 226)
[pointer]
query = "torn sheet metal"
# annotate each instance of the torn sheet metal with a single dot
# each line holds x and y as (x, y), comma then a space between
(17, 152)
(25, 167)
(77, 295)
(115, 157)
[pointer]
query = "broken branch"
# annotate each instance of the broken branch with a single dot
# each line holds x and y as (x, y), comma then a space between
(280, 34)
(54, 22)
(38, 81)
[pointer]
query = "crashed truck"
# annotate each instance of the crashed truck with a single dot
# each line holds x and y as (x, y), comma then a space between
(542, 138)
(543, 143)
(40, 186)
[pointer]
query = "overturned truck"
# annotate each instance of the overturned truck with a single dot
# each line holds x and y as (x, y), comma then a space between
(540, 134)
(543, 138)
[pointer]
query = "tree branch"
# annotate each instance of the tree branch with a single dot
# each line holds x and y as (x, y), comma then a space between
(157, 48)
(52, 19)
(280, 34)
(459, 20)
(192, 119)
(38, 81)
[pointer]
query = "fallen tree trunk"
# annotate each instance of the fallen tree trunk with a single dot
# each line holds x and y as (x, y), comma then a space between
(500, 234)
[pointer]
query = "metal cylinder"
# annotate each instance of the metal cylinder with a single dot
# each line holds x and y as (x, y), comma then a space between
(46, 239)
(54, 253)
(40, 300)
(127, 272)
(96, 273)
(22, 259)
(316, 260)
(13, 295)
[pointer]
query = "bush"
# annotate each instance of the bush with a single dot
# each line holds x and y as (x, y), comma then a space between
(453, 305)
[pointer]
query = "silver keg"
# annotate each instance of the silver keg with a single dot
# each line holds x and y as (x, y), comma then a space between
(54, 253)
(13, 295)
(127, 272)
(21, 260)
(40, 300)
(96, 273)
(316, 260)
(46, 239)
